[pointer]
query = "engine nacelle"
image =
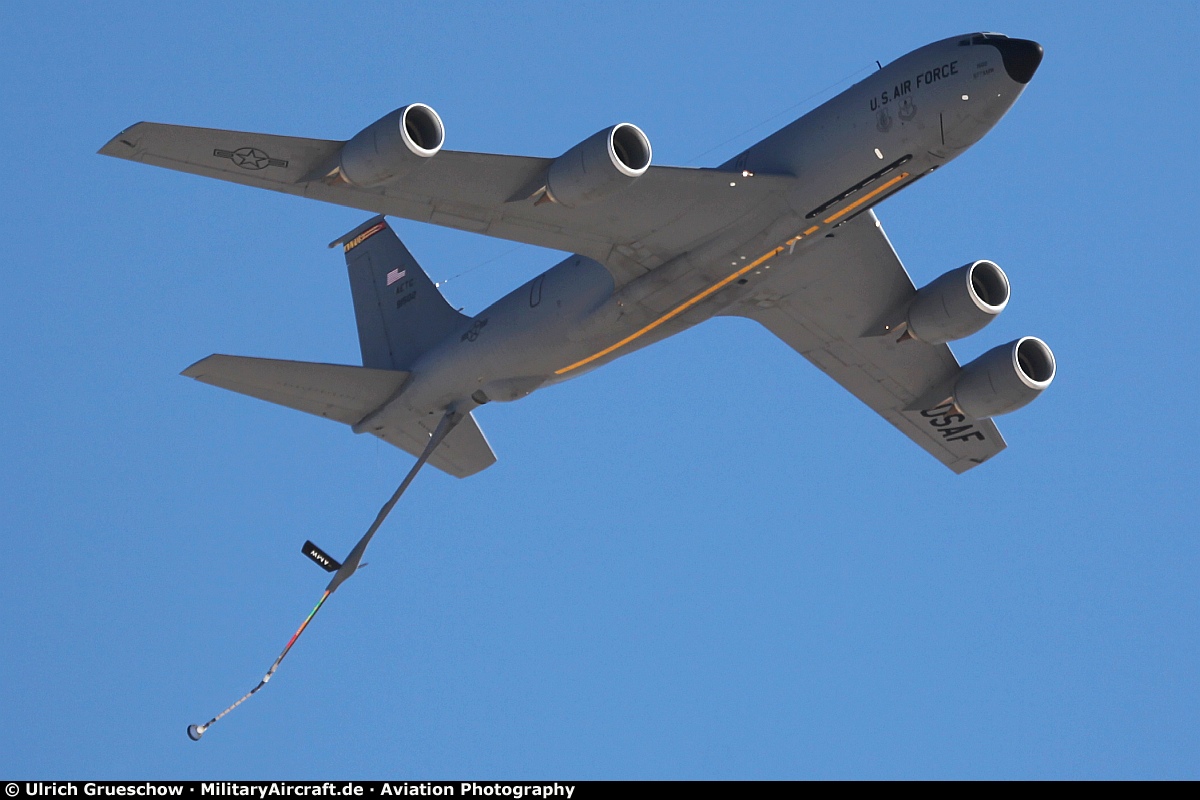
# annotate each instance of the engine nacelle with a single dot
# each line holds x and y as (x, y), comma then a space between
(959, 303)
(599, 166)
(393, 146)
(1004, 378)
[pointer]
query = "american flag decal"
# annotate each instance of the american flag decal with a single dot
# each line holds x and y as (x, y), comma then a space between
(396, 275)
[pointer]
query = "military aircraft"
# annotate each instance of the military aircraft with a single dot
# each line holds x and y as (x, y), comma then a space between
(784, 233)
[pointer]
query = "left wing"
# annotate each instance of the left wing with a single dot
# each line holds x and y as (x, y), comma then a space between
(661, 215)
(827, 307)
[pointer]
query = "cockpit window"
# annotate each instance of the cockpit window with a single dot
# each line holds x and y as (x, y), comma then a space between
(981, 38)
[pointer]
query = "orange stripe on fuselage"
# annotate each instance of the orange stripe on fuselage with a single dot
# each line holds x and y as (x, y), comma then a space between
(867, 197)
(671, 314)
(726, 281)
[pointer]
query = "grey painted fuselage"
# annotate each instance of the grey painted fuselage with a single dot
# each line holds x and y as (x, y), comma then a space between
(889, 130)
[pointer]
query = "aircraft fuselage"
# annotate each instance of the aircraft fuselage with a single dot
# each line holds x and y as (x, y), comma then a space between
(864, 145)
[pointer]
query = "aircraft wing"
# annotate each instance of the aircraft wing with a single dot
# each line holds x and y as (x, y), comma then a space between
(662, 214)
(830, 306)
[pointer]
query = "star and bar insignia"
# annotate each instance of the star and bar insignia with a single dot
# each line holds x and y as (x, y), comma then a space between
(250, 158)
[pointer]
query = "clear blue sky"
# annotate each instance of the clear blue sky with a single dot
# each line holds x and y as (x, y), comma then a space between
(705, 560)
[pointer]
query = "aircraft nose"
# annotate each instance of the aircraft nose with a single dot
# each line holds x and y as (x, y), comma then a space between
(1021, 57)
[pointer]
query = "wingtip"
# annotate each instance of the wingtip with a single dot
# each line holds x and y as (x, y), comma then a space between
(123, 145)
(196, 370)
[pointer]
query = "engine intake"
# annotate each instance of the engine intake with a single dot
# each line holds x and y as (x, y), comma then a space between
(599, 166)
(393, 146)
(958, 303)
(1004, 378)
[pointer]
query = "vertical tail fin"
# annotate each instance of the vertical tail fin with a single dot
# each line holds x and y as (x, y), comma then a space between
(400, 313)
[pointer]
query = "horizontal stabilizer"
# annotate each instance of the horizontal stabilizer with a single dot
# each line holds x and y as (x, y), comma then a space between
(463, 452)
(347, 394)
(336, 391)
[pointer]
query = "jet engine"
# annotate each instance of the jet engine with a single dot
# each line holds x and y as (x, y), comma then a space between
(959, 303)
(599, 166)
(393, 146)
(1004, 378)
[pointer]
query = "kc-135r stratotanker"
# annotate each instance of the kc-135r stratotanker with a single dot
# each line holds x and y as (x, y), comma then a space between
(783, 234)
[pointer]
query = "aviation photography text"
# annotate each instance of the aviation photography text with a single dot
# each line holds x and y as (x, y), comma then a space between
(262, 790)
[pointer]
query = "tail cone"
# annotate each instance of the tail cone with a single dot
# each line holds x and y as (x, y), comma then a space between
(195, 732)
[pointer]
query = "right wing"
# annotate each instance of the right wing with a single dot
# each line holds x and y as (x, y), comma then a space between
(659, 216)
(826, 306)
